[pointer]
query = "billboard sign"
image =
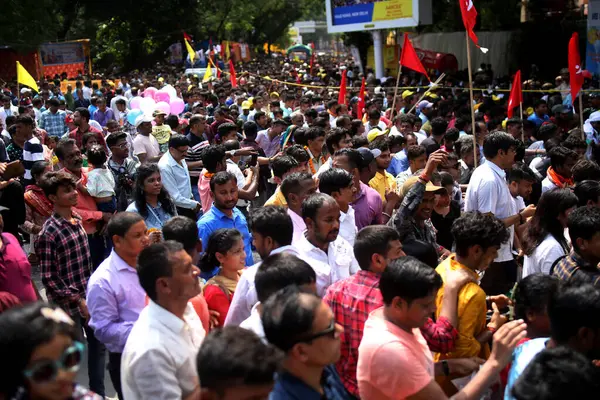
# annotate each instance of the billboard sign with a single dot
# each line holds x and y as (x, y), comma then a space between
(62, 53)
(360, 15)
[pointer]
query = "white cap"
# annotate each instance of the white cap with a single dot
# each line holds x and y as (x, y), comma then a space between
(425, 104)
(141, 119)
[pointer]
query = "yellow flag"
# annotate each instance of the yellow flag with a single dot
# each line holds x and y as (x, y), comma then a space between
(24, 78)
(208, 74)
(190, 50)
(227, 51)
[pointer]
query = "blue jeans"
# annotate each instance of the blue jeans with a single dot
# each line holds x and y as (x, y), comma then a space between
(195, 192)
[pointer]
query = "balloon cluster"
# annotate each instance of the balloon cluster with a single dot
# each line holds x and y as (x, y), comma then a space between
(153, 99)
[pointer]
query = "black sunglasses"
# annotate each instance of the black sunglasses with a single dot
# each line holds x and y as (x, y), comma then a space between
(329, 331)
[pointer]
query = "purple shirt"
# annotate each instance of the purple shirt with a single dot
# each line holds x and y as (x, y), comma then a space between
(115, 300)
(271, 147)
(15, 270)
(103, 117)
(367, 207)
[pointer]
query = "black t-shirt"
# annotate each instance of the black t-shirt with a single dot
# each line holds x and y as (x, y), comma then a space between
(444, 225)
(430, 145)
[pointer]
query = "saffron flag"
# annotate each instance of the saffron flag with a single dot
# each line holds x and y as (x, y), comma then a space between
(227, 50)
(25, 78)
(361, 101)
(410, 59)
(575, 72)
(208, 74)
(342, 96)
(190, 51)
(516, 94)
(469, 17)
(232, 74)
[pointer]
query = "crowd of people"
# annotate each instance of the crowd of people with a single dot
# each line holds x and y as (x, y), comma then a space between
(277, 241)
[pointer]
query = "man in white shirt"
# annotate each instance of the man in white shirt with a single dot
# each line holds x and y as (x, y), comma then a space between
(176, 177)
(321, 245)
(272, 231)
(488, 193)
(7, 110)
(295, 188)
(375, 121)
(159, 359)
(339, 184)
(113, 102)
(275, 273)
(145, 145)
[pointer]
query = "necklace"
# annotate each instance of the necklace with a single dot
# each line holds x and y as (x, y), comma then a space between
(310, 160)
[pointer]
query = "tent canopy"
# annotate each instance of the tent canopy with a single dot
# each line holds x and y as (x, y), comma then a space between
(299, 48)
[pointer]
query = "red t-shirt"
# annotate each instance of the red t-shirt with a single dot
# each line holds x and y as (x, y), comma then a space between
(218, 301)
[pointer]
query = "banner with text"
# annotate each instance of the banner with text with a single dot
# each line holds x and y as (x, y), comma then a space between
(355, 15)
(592, 60)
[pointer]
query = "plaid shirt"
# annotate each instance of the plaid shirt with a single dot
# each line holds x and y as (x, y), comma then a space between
(352, 300)
(65, 261)
(574, 269)
(54, 124)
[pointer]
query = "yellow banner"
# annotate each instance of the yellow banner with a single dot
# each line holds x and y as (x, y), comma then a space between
(392, 9)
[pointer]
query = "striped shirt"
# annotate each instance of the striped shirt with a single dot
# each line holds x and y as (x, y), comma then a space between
(32, 152)
(193, 154)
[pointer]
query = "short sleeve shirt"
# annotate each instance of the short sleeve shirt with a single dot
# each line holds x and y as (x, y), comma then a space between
(146, 145)
(392, 363)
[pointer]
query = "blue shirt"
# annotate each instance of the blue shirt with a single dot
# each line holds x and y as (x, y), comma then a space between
(537, 120)
(156, 217)
(288, 387)
(521, 358)
(398, 164)
(215, 219)
(54, 124)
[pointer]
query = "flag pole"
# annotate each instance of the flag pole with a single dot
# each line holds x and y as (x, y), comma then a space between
(396, 92)
(473, 130)
(581, 114)
(18, 89)
(522, 127)
(437, 81)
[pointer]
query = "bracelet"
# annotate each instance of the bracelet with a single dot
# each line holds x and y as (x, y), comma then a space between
(445, 367)
(424, 177)
(386, 214)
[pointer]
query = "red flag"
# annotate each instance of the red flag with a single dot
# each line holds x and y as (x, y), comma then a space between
(516, 94)
(342, 96)
(312, 58)
(469, 16)
(575, 72)
(187, 37)
(410, 59)
(232, 73)
(361, 101)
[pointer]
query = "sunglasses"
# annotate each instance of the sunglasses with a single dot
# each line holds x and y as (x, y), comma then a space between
(330, 331)
(46, 371)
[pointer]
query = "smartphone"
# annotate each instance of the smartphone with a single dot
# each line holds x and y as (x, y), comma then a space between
(253, 160)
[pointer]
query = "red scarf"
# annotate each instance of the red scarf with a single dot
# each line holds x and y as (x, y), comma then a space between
(36, 199)
(559, 180)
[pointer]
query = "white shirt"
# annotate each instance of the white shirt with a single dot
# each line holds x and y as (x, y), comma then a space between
(159, 359)
(542, 258)
(101, 183)
(339, 259)
(4, 113)
(176, 180)
(547, 185)
(381, 125)
(299, 226)
(326, 166)
(244, 297)
(254, 323)
(533, 165)
(147, 145)
(519, 203)
(87, 92)
(348, 228)
(113, 104)
(488, 193)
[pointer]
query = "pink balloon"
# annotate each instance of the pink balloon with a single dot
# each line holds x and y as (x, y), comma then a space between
(162, 96)
(177, 105)
(149, 92)
(135, 102)
(164, 107)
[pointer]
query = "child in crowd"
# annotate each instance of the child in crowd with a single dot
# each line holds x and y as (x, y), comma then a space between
(225, 250)
(160, 131)
(88, 141)
(49, 147)
(101, 183)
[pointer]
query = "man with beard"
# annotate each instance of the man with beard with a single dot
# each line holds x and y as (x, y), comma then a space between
(413, 218)
(321, 244)
(223, 213)
(81, 119)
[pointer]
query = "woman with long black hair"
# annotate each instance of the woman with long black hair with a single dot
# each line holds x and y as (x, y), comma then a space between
(544, 241)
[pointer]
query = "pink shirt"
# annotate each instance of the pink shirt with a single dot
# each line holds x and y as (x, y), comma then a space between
(392, 363)
(204, 191)
(15, 270)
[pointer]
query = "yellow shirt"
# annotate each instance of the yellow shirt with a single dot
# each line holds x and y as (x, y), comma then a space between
(162, 133)
(277, 199)
(471, 311)
(471, 321)
(383, 183)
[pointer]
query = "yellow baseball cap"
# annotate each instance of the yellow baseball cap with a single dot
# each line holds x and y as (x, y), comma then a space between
(406, 94)
(375, 133)
(245, 105)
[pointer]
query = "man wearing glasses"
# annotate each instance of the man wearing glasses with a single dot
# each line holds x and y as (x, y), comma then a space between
(304, 328)
(176, 177)
(122, 167)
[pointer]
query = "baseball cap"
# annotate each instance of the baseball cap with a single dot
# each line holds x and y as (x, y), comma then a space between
(368, 156)
(245, 105)
(158, 112)
(141, 119)
(410, 182)
(561, 109)
(407, 93)
(375, 133)
(424, 104)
